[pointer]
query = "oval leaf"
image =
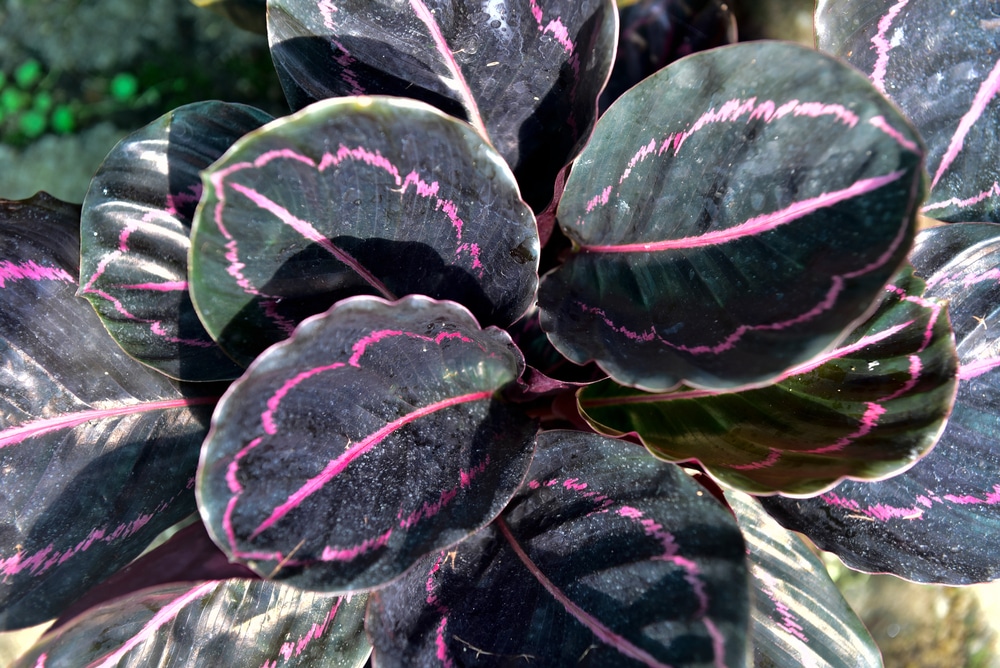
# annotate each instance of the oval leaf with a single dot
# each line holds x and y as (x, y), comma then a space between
(417, 454)
(587, 566)
(135, 229)
(938, 61)
(799, 616)
(97, 452)
(209, 624)
(741, 229)
(357, 196)
(940, 520)
(865, 410)
(525, 74)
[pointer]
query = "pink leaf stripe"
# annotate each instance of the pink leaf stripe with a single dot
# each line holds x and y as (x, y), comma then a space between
(458, 82)
(884, 45)
(603, 633)
(307, 230)
(121, 254)
(31, 271)
(338, 465)
(290, 650)
(23, 432)
(788, 622)
(759, 224)
(874, 410)
(271, 427)
(45, 559)
(884, 513)
(327, 10)
(554, 27)
(164, 616)
(987, 91)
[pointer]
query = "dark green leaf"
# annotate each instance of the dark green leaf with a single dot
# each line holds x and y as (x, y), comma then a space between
(525, 74)
(937, 60)
(369, 439)
(357, 196)
(940, 520)
(799, 616)
(605, 557)
(97, 452)
(864, 410)
(136, 227)
(742, 228)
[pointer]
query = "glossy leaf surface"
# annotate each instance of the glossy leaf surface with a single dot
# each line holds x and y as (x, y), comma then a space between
(97, 452)
(353, 196)
(799, 616)
(135, 229)
(418, 454)
(209, 624)
(940, 520)
(938, 61)
(605, 557)
(741, 229)
(525, 73)
(865, 410)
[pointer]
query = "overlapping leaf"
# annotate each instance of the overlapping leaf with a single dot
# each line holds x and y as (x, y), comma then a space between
(799, 616)
(369, 439)
(605, 557)
(135, 229)
(210, 624)
(741, 229)
(940, 520)
(525, 73)
(936, 59)
(97, 452)
(357, 196)
(867, 409)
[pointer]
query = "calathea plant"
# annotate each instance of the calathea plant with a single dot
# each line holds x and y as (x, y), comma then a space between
(327, 335)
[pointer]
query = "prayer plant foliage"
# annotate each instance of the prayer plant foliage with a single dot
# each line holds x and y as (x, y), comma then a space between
(401, 401)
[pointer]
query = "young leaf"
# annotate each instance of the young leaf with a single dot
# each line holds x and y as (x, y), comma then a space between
(525, 73)
(865, 410)
(605, 557)
(741, 229)
(210, 624)
(97, 452)
(940, 520)
(357, 196)
(370, 438)
(135, 229)
(799, 616)
(938, 61)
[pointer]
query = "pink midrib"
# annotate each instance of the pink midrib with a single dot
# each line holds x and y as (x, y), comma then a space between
(338, 465)
(602, 632)
(29, 430)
